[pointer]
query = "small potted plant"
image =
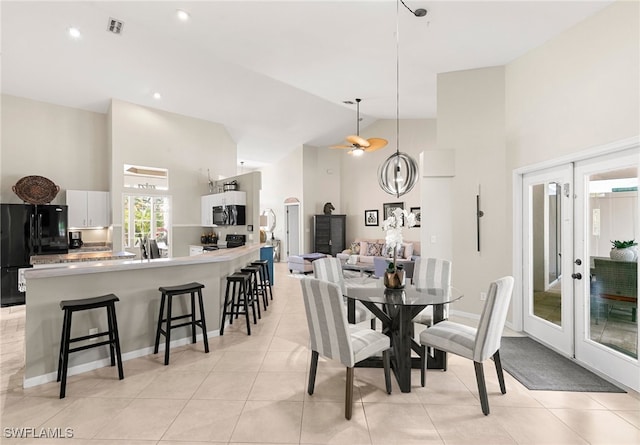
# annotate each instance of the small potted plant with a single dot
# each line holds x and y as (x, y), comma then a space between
(624, 250)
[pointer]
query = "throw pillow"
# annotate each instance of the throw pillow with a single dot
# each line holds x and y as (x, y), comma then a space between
(407, 250)
(374, 249)
(355, 247)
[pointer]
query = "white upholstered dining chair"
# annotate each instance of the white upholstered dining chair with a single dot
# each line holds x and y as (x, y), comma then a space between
(431, 273)
(330, 269)
(475, 344)
(332, 337)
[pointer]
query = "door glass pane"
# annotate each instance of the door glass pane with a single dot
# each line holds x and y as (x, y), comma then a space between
(612, 213)
(546, 254)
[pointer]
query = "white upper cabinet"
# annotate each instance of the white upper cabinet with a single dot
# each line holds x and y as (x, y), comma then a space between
(219, 199)
(88, 208)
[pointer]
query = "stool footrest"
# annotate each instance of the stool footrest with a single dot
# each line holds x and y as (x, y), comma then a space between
(93, 345)
(87, 337)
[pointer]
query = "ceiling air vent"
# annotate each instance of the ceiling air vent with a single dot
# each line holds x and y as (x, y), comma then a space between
(115, 25)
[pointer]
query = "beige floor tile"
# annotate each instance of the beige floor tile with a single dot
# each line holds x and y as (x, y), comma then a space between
(330, 386)
(276, 420)
(463, 425)
(239, 361)
(445, 388)
(86, 416)
(283, 361)
(226, 386)
(599, 427)
(177, 384)
(400, 423)
(279, 386)
(287, 344)
(129, 387)
(31, 411)
(146, 419)
(195, 359)
(534, 426)
(562, 399)
(324, 422)
(205, 420)
(633, 417)
(372, 386)
(616, 401)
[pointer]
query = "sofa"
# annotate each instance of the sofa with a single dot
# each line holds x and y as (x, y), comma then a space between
(364, 250)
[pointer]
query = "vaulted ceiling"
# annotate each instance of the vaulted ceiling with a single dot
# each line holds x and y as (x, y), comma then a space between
(275, 73)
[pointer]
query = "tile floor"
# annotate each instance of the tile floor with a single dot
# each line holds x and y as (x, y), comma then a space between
(251, 389)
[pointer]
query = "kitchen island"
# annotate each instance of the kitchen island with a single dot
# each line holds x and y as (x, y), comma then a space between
(136, 283)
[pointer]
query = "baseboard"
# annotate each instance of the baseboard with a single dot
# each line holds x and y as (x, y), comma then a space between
(102, 363)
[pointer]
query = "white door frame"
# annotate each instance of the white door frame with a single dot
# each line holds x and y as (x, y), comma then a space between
(517, 266)
(559, 335)
(617, 365)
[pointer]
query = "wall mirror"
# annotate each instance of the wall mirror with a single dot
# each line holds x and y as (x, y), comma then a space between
(268, 220)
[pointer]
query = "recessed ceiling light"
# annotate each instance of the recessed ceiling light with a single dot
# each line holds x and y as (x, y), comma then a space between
(157, 96)
(74, 32)
(182, 15)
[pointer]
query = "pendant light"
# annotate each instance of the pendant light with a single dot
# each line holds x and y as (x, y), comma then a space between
(398, 174)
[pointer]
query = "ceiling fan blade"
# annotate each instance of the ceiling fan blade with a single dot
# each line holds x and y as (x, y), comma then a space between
(357, 140)
(376, 144)
(342, 146)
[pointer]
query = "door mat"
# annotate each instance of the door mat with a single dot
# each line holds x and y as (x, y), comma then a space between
(539, 368)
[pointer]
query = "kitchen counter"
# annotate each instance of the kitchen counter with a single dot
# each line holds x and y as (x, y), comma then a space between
(136, 283)
(81, 256)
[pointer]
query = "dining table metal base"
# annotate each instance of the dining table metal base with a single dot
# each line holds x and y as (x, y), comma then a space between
(397, 323)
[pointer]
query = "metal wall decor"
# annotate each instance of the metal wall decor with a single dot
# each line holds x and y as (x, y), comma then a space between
(479, 214)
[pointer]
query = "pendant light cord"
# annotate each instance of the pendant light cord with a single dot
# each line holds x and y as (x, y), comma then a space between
(398, 76)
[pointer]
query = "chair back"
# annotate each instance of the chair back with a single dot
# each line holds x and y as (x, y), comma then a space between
(327, 320)
(330, 269)
(380, 265)
(432, 273)
(154, 251)
(493, 318)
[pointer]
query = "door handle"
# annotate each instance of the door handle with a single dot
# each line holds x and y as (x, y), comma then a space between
(578, 261)
(576, 276)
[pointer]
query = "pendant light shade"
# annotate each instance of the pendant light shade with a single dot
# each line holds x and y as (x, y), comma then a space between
(398, 174)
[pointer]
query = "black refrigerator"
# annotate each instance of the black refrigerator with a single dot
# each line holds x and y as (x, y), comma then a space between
(27, 230)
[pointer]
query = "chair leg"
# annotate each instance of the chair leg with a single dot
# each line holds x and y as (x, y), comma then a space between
(423, 365)
(496, 360)
(348, 400)
(312, 372)
(482, 387)
(386, 360)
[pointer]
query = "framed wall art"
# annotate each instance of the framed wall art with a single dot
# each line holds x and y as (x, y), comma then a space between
(389, 207)
(416, 211)
(370, 217)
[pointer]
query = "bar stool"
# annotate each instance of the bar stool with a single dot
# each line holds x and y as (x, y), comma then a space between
(266, 275)
(71, 306)
(237, 294)
(257, 288)
(168, 292)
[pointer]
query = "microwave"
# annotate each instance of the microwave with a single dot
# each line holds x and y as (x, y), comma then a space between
(231, 215)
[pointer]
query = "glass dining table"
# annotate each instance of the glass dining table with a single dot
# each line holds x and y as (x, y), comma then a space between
(396, 309)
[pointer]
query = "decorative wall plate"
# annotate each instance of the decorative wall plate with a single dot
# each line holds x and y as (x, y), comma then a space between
(36, 189)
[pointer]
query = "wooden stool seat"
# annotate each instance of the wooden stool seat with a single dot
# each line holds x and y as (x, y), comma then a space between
(168, 292)
(69, 307)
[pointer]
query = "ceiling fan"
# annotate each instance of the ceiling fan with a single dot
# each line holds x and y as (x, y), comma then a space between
(359, 145)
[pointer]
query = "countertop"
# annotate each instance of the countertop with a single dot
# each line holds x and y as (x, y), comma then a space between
(110, 265)
(80, 257)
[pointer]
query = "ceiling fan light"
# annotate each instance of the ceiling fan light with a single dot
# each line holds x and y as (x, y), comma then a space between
(358, 151)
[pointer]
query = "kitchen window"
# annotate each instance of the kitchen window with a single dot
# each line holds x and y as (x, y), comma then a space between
(146, 216)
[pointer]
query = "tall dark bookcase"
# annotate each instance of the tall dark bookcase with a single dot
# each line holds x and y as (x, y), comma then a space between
(329, 234)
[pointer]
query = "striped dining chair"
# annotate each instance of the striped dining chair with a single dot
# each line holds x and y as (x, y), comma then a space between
(333, 338)
(475, 344)
(330, 269)
(431, 273)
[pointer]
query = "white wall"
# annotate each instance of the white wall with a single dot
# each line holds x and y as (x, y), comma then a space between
(576, 91)
(471, 119)
(184, 145)
(281, 180)
(66, 145)
(360, 189)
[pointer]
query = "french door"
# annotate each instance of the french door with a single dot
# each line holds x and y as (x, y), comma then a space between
(571, 213)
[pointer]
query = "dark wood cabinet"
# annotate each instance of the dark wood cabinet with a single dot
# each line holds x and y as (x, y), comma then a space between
(329, 233)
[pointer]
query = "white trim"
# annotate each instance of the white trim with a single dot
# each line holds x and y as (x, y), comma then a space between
(102, 363)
